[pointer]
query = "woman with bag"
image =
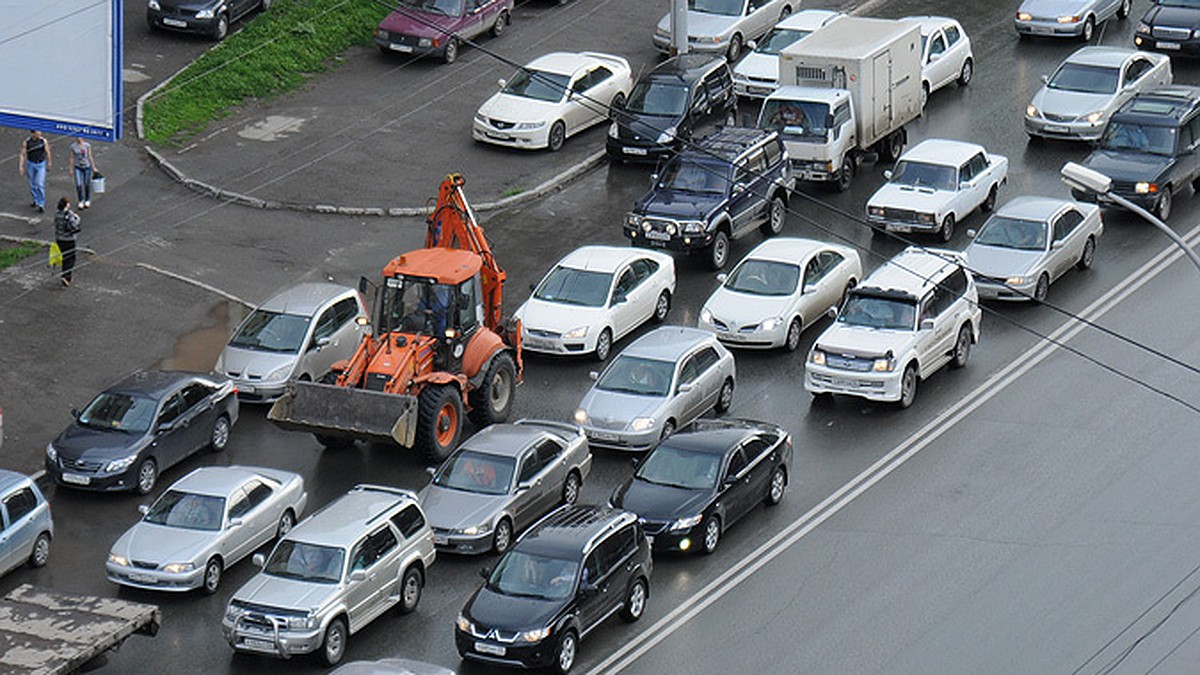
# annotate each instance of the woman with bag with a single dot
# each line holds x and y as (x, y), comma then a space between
(66, 226)
(84, 168)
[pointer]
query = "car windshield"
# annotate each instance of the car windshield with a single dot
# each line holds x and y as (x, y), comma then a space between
(569, 286)
(533, 576)
(657, 98)
(187, 510)
(538, 85)
(637, 375)
(1085, 79)
(478, 472)
(764, 277)
(1005, 232)
(924, 174)
(1146, 138)
(777, 39)
(694, 177)
(306, 562)
(798, 119)
(722, 7)
(121, 412)
(680, 468)
(271, 332)
(416, 305)
(873, 311)
(447, 7)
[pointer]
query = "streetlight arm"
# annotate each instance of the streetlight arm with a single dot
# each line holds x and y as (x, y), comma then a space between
(1146, 215)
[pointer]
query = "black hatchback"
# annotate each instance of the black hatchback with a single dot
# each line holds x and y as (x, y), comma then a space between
(569, 572)
(208, 17)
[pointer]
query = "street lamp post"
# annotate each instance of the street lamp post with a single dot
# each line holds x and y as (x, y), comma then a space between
(679, 27)
(1081, 177)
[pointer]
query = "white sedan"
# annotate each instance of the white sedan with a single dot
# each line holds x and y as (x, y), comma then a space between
(945, 53)
(554, 97)
(779, 288)
(593, 297)
(757, 74)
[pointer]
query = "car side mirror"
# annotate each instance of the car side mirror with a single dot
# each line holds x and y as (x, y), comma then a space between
(165, 427)
(808, 288)
(322, 341)
(722, 277)
(829, 121)
(1045, 79)
(589, 589)
(751, 44)
(971, 233)
(485, 572)
(431, 470)
(358, 575)
(502, 82)
(935, 57)
(832, 312)
(685, 387)
(635, 461)
(739, 187)
(532, 287)
(144, 509)
(1057, 244)
(729, 480)
(963, 185)
(524, 486)
(235, 522)
(259, 560)
(887, 174)
(75, 413)
(619, 298)
(594, 375)
(926, 324)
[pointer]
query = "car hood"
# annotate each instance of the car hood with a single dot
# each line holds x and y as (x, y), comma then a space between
(281, 593)
(457, 509)
(80, 442)
(615, 406)
(745, 308)
(159, 544)
(660, 502)
(924, 199)
(1128, 166)
(701, 24)
(1001, 262)
(511, 108)
(556, 317)
(1053, 8)
(493, 610)
(421, 24)
(251, 363)
(187, 4)
(758, 65)
(676, 204)
(1178, 17)
(860, 341)
(1073, 103)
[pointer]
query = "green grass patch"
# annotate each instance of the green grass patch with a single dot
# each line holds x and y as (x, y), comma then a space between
(511, 192)
(275, 52)
(12, 253)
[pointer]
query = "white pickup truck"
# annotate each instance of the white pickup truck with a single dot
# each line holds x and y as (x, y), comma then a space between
(935, 185)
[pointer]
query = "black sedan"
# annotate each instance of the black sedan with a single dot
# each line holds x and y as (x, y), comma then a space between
(702, 480)
(141, 426)
(209, 17)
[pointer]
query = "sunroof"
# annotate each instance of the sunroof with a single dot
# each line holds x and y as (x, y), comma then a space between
(1153, 107)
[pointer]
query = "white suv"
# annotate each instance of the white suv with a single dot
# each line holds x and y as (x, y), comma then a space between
(913, 315)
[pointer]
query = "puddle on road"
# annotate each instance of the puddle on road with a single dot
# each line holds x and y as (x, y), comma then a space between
(197, 351)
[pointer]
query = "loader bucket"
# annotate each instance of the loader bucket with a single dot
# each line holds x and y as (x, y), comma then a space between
(329, 410)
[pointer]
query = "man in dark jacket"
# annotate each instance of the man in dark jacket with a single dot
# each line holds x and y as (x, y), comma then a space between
(66, 226)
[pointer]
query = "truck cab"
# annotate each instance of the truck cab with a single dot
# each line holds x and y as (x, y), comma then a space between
(818, 129)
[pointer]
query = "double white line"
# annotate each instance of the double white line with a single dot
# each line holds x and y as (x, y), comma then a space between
(918, 441)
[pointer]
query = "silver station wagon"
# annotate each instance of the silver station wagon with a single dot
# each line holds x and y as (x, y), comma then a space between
(502, 480)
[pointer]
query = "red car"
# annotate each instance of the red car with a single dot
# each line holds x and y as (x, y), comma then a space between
(440, 26)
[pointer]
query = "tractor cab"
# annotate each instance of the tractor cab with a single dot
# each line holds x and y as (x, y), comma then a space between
(434, 293)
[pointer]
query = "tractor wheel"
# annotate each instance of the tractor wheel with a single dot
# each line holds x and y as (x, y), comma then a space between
(439, 421)
(492, 401)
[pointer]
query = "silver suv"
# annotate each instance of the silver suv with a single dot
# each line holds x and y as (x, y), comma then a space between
(333, 574)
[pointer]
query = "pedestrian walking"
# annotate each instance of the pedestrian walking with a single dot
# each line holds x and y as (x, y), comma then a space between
(66, 226)
(33, 162)
(84, 167)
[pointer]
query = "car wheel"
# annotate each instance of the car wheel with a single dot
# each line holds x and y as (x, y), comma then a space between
(40, 554)
(662, 306)
(667, 430)
(908, 386)
(219, 437)
(450, 51)
(617, 102)
(775, 218)
(924, 95)
(410, 590)
(962, 347)
(735, 48)
(334, 646)
(570, 491)
(501, 24)
(558, 135)
(947, 230)
(147, 477)
(635, 601)
(212, 576)
(1089, 28)
(1162, 208)
(785, 12)
(989, 202)
(439, 421)
(604, 345)
(220, 28)
(792, 341)
(967, 72)
(712, 535)
(821, 398)
(502, 538)
(725, 398)
(776, 487)
(718, 250)
(1089, 254)
(1123, 10)
(845, 174)
(286, 522)
(1042, 288)
(893, 146)
(568, 648)
(492, 400)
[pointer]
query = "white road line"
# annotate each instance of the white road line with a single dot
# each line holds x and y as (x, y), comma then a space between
(919, 440)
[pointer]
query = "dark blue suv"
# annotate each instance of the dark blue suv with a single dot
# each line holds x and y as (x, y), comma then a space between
(720, 189)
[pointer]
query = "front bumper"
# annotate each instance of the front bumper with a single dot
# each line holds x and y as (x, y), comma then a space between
(625, 150)
(408, 44)
(1190, 46)
(754, 88)
(179, 21)
(629, 441)
(513, 137)
(523, 655)
(1146, 201)
(746, 338)
(892, 225)
(1048, 28)
(664, 540)
(1073, 130)
(550, 342)
(450, 542)
(664, 45)
(97, 481)
(989, 289)
(690, 243)
(270, 641)
(258, 391)
(815, 171)
(872, 386)
(154, 579)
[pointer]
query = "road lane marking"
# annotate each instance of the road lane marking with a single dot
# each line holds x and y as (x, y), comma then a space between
(639, 645)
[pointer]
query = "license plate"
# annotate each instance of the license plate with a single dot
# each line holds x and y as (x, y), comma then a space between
(76, 479)
(1039, 30)
(635, 151)
(174, 22)
(400, 48)
(538, 343)
(899, 228)
(1056, 129)
(439, 540)
(732, 337)
(264, 645)
(488, 648)
(658, 236)
(498, 137)
(142, 578)
(844, 384)
(603, 436)
(1168, 45)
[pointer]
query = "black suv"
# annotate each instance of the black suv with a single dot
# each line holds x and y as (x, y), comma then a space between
(569, 572)
(1149, 148)
(680, 98)
(726, 185)
(1170, 26)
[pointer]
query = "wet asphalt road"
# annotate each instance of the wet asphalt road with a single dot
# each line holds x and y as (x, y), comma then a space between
(972, 558)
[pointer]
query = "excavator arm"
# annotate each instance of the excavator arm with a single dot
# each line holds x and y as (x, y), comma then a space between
(452, 225)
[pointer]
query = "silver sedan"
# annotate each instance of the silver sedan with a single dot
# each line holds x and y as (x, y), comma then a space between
(1067, 18)
(1028, 243)
(502, 480)
(205, 522)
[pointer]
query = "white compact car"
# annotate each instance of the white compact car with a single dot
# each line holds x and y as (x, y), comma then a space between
(778, 290)
(757, 74)
(594, 297)
(945, 53)
(724, 26)
(552, 98)
(935, 185)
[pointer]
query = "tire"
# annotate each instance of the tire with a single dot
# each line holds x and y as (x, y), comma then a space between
(40, 554)
(147, 477)
(1088, 256)
(568, 649)
(845, 174)
(1089, 29)
(908, 386)
(219, 437)
(785, 12)
(492, 401)
(989, 202)
(776, 487)
(1123, 10)
(1042, 289)
(735, 48)
(775, 218)
(558, 136)
(502, 538)
(212, 577)
(333, 647)
(892, 147)
(924, 95)
(712, 535)
(718, 251)
(967, 72)
(439, 421)
(617, 102)
(946, 232)
(286, 522)
(450, 51)
(635, 601)
(792, 341)
(962, 347)
(571, 487)
(662, 306)
(410, 590)
(220, 28)
(725, 398)
(731, 118)
(1162, 207)
(604, 345)
(501, 24)
(667, 430)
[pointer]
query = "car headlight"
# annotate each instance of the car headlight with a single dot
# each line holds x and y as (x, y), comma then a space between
(51, 453)
(1024, 16)
(535, 635)
(667, 136)
(576, 333)
(883, 364)
(280, 373)
(531, 125)
(641, 424)
(581, 416)
(1144, 188)
(633, 220)
(1093, 118)
(771, 324)
(153, 4)
(876, 211)
(1143, 28)
(692, 226)
(1068, 19)
(306, 622)
(120, 464)
(1018, 281)
(614, 130)
(464, 624)
(1196, 33)
(119, 560)
(817, 357)
(706, 315)
(232, 612)
(179, 568)
(477, 529)
(1031, 110)
(927, 218)
(686, 523)
(480, 119)
(205, 14)
(662, 32)
(425, 42)
(709, 39)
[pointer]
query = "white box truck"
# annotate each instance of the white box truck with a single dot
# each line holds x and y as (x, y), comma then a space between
(847, 92)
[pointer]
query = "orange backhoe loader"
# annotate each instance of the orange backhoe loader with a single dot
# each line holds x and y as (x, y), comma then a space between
(439, 348)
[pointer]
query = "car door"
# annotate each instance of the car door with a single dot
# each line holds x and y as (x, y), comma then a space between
(239, 535)
(645, 293)
(320, 348)
(735, 486)
(372, 560)
(756, 450)
(815, 297)
(173, 432)
(973, 185)
(937, 65)
(264, 514)
(600, 587)
(709, 379)
(473, 21)
(622, 302)
(552, 472)
(934, 332)
(526, 505)
(1066, 242)
(760, 16)
(688, 401)
(593, 96)
(16, 540)
(1189, 154)
(956, 50)
(200, 415)
(746, 201)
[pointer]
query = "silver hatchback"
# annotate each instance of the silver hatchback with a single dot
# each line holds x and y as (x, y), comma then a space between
(28, 527)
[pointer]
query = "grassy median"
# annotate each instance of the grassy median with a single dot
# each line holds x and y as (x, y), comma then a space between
(274, 52)
(12, 252)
